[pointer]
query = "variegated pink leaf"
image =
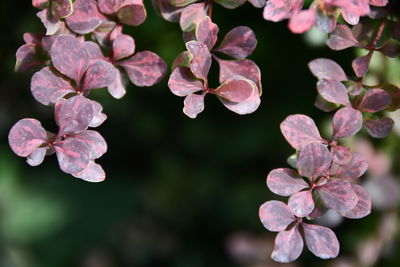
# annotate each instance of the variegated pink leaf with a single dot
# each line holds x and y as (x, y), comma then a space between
(333, 91)
(144, 68)
(275, 216)
(167, 10)
(379, 128)
(191, 15)
(92, 173)
(73, 155)
(357, 166)
(300, 130)
(337, 195)
(182, 60)
(47, 86)
(363, 207)
(285, 182)
(239, 42)
(85, 18)
(117, 87)
(94, 141)
(324, 68)
(182, 82)
(303, 21)
(288, 245)
(374, 100)
(346, 122)
(277, 10)
(98, 116)
(321, 241)
(301, 203)
(324, 105)
(378, 2)
(27, 58)
(193, 105)
(109, 7)
(314, 160)
(123, 46)
(26, 136)
(201, 59)
(360, 65)
(341, 154)
(133, 15)
(206, 32)
(51, 23)
(70, 57)
(341, 38)
(99, 74)
(74, 115)
(103, 33)
(235, 90)
(325, 23)
(94, 51)
(61, 8)
(37, 156)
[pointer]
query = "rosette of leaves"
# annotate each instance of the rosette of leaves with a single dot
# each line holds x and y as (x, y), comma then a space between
(365, 99)
(53, 11)
(240, 83)
(321, 13)
(76, 147)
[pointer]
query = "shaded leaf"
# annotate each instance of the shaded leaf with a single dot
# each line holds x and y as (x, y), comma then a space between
(341, 154)
(363, 207)
(239, 42)
(333, 91)
(357, 166)
(191, 15)
(341, 38)
(133, 14)
(99, 74)
(379, 128)
(374, 100)
(231, 4)
(109, 7)
(51, 23)
(61, 8)
(346, 122)
(361, 64)
(37, 156)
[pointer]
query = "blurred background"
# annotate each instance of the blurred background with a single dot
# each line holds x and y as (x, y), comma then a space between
(179, 192)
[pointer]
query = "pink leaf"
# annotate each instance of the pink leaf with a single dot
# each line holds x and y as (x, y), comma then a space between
(168, 11)
(117, 87)
(303, 20)
(109, 7)
(314, 160)
(40, 3)
(206, 32)
(94, 141)
(85, 18)
(51, 23)
(301, 203)
(144, 68)
(285, 182)
(333, 91)
(379, 128)
(337, 195)
(191, 15)
(325, 23)
(239, 42)
(201, 59)
(235, 90)
(73, 155)
(341, 154)
(300, 130)
(324, 68)
(357, 166)
(360, 65)
(277, 10)
(132, 15)
(363, 207)
(27, 58)
(288, 246)
(378, 2)
(183, 83)
(375, 100)
(98, 116)
(37, 156)
(26, 136)
(341, 38)
(99, 74)
(321, 241)
(346, 122)
(193, 105)
(94, 51)
(92, 173)
(275, 216)
(123, 46)
(61, 8)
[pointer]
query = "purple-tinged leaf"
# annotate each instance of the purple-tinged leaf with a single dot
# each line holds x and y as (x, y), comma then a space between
(193, 105)
(92, 173)
(74, 115)
(94, 141)
(303, 20)
(99, 74)
(61, 8)
(94, 51)
(341, 154)
(201, 59)
(258, 3)
(379, 128)
(235, 90)
(144, 68)
(324, 68)
(132, 15)
(321, 241)
(324, 105)
(98, 116)
(69, 56)
(333, 91)
(117, 87)
(355, 89)
(390, 49)
(375, 100)
(361, 64)
(275, 216)
(239, 42)
(123, 46)
(244, 107)
(351, 18)
(243, 67)
(51, 23)
(109, 7)
(337, 195)
(37, 156)
(183, 83)
(168, 11)
(285, 182)
(363, 207)
(288, 245)
(230, 4)
(206, 32)
(357, 166)
(189, 36)
(394, 93)
(26, 136)
(182, 60)
(346, 122)
(378, 2)
(300, 130)
(191, 15)
(85, 18)
(27, 58)
(104, 31)
(73, 155)
(341, 38)
(47, 86)
(301, 203)
(325, 23)
(314, 160)
(40, 3)
(277, 10)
